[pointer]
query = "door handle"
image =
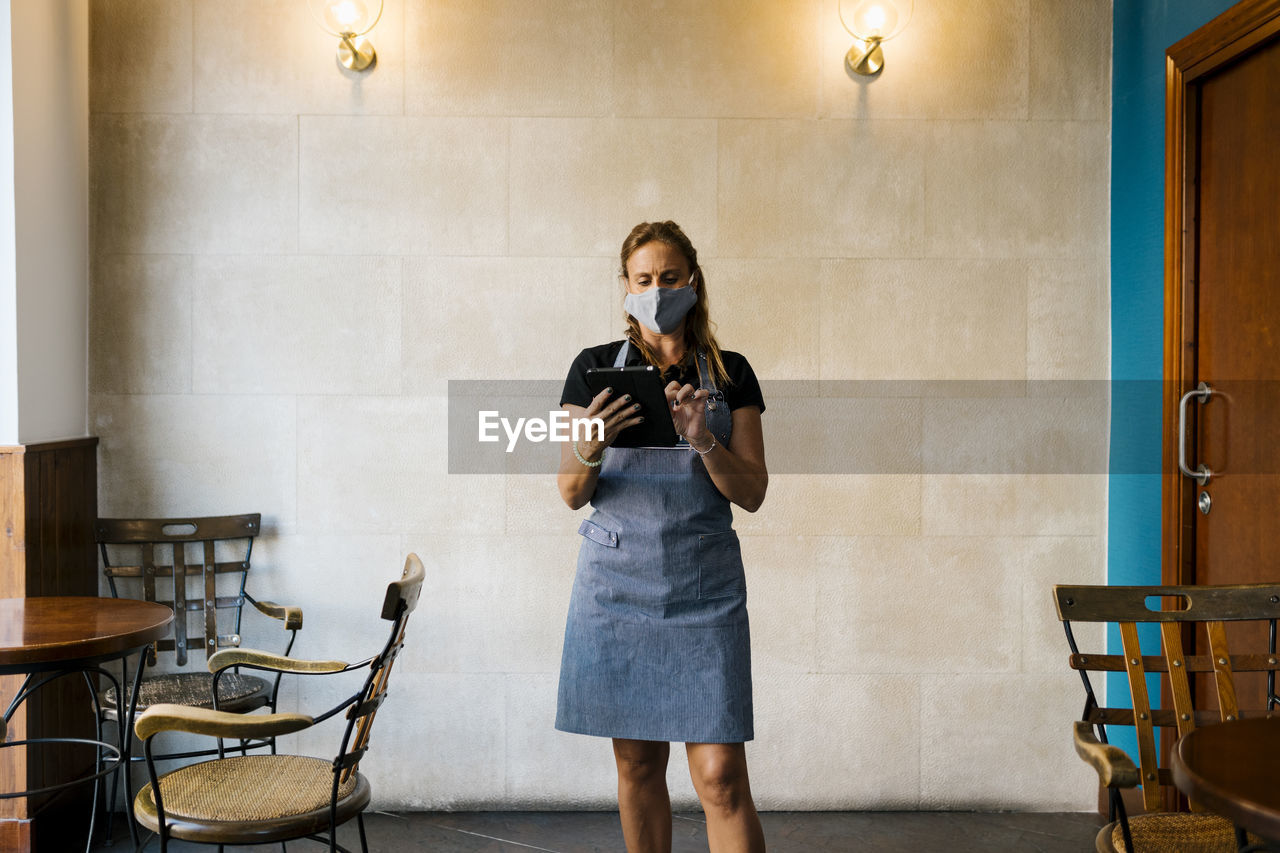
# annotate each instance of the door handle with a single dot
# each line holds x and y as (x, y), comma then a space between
(1202, 473)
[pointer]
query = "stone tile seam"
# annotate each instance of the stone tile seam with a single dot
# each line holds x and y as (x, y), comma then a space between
(919, 685)
(191, 78)
(579, 257)
(297, 185)
(612, 118)
(507, 200)
(493, 838)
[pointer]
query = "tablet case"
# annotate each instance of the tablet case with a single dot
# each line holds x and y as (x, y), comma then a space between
(644, 384)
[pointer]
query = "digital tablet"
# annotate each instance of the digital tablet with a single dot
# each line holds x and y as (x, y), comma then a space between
(644, 384)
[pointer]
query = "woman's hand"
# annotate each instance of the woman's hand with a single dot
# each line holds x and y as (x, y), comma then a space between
(617, 415)
(577, 482)
(688, 412)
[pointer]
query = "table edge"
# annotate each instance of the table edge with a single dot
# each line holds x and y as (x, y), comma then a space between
(1245, 813)
(93, 648)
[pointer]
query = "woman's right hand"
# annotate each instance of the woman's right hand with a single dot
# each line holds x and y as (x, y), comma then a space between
(617, 415)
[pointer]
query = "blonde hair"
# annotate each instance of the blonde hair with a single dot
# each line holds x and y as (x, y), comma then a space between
(698, 326)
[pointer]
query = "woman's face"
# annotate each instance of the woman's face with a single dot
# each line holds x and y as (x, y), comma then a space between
(656, 264)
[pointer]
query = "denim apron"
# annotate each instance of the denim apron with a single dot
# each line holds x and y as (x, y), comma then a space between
(656, 644)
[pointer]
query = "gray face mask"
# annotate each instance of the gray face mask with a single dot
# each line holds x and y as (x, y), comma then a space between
(661, 308)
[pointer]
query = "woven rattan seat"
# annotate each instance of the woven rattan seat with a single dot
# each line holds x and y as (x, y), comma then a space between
(236, 691)
(251, 798)
(1186, 833)
(250, 787)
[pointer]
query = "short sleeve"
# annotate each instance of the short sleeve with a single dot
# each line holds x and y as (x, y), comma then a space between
(576, 392)
(745, 388)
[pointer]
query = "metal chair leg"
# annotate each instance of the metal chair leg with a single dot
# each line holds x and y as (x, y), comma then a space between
(1118, 809)
(138, 848)
(364, 845)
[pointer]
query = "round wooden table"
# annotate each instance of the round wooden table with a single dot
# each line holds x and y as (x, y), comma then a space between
(48, 638)
(43, 634)
(1233, 769)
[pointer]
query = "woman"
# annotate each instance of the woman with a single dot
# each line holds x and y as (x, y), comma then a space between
(657, 647)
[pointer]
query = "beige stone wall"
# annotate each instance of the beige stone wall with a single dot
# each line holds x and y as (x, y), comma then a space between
(290, 262)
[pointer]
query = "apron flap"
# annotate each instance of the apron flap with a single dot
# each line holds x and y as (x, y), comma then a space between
(596, 533)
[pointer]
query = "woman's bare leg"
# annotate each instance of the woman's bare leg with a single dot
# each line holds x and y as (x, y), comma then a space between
(719, 772)
(643, 800)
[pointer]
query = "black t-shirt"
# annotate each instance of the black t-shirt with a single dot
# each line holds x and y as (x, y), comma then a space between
(743, 388)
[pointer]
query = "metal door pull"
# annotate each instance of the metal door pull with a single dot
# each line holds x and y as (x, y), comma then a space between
(1202, 474)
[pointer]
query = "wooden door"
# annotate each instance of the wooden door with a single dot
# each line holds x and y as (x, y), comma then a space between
(1223, 311)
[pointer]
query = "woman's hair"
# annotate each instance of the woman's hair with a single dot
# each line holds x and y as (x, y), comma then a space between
(698, 326)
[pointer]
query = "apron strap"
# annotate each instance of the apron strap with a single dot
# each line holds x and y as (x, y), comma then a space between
(705, 379)
(704, 373)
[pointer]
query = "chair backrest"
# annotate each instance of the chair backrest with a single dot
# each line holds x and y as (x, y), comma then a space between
(400, 601)
(192, 553)
(1205, 609)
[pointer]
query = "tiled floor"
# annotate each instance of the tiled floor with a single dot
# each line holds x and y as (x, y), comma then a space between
(785, 832)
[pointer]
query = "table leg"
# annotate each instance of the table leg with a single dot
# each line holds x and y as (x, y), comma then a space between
(97, 764)
(125, 724)
(115, 779)
(17, 699)
(31, 684)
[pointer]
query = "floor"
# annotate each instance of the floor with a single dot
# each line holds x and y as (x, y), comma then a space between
(785, 832)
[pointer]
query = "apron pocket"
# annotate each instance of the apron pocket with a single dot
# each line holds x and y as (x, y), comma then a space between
(720, 571)
(596, 533)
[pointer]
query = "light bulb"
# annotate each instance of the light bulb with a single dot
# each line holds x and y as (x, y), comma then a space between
(872, 22)
(346, 17)
(877, 20)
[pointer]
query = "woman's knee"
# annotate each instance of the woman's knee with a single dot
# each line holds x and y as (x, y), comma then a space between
(720, 777)
(641, 760)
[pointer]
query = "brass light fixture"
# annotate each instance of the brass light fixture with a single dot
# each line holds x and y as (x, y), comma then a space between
(349, 20)
(871, 22)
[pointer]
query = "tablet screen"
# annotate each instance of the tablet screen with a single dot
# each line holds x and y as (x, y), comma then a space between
(644, 384)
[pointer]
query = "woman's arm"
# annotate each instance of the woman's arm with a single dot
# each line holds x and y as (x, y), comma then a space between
(577, 482)
(739, 470)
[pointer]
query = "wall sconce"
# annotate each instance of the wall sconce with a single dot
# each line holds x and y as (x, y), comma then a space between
(349, 20)
(871, 22)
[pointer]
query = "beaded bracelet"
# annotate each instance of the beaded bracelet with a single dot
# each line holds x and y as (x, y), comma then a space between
(583, 460)
(704, 452)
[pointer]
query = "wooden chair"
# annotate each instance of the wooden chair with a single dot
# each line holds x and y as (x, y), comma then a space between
(179, 562)
(1206, 611)
(256, 799)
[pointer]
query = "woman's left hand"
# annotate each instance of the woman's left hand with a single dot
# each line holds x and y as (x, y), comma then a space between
(688, 412)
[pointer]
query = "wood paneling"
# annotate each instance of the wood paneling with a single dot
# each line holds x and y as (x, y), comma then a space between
(13, 584)
(13, 514)
(48, 505)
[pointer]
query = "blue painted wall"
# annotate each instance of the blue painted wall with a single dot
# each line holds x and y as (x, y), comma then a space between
(1141, 32)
